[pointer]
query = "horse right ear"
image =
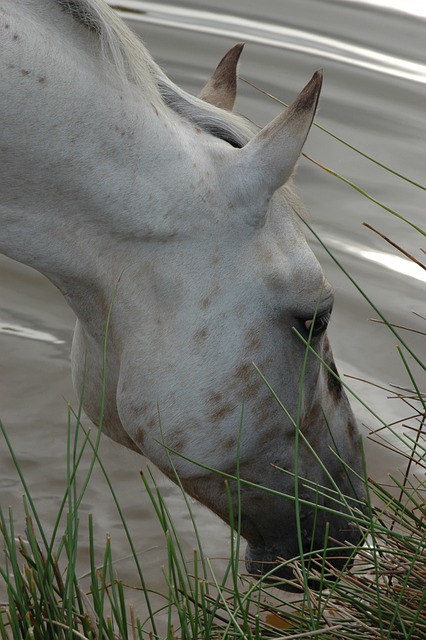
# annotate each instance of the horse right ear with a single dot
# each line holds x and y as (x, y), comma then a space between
(221, 89)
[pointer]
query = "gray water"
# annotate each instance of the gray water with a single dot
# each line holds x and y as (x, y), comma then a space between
(374, 98)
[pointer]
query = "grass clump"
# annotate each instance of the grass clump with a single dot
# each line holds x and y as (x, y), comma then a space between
(42, 595)
(43, 601)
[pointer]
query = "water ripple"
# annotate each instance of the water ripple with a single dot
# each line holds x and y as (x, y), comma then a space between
(273, 35)
(412, 7)
(390, 261)
(20, 331)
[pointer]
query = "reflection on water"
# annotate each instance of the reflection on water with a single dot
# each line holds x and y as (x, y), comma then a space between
(404, 266)
(270, 34)
(27, 332)
(412, 7)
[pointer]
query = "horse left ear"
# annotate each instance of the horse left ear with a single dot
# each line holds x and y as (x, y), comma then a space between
(221, 89)
(266, 162)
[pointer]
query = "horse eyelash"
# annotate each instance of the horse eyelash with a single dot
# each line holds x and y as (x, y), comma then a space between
(320, 323)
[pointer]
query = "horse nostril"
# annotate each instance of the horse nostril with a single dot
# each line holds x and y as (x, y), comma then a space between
(307, 538)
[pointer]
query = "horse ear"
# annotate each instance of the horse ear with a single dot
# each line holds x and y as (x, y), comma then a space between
(221, 89)
(268, 160)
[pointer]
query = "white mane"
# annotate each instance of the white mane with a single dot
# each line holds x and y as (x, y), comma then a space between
(133, 63)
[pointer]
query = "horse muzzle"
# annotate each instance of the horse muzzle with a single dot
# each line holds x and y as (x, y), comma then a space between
(314, 557)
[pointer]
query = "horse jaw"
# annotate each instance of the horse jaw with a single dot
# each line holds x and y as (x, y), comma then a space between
(221, 89)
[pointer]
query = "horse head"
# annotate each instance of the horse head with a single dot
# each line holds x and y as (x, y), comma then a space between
(178, 221)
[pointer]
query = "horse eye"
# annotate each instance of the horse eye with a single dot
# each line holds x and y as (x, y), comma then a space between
(320, 323)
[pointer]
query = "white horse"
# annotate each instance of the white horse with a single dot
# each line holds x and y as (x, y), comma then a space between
(181, 218)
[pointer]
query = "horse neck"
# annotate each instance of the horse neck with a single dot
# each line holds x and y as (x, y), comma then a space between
(81, 151)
